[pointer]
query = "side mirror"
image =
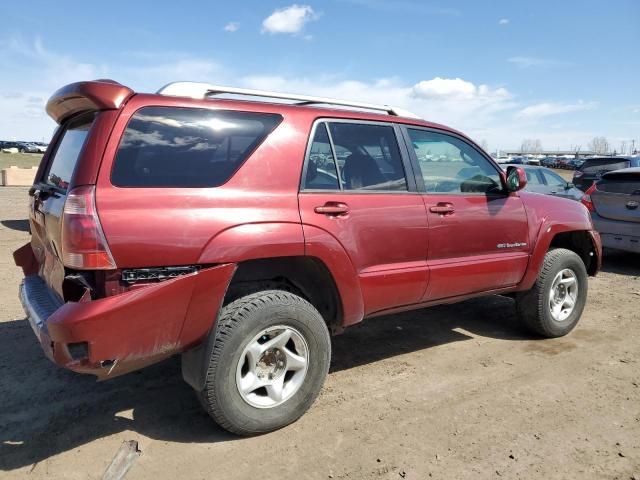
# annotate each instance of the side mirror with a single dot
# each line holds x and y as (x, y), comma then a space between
(569, 186)
(516, 179)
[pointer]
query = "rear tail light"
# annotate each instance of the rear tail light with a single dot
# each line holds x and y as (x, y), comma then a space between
(83, 244)
(586, 198)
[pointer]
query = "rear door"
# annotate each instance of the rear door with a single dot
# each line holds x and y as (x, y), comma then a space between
(49, 194)
(478, 234)
(358, 187)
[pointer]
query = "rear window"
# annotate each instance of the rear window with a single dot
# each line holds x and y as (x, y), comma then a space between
(603, 165)
(67, 153)
(187, 147)
(628, 184)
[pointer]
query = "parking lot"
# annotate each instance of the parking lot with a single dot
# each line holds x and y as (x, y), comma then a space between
(456, 391)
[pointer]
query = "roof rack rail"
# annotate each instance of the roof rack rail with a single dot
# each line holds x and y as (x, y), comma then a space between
(204, 90)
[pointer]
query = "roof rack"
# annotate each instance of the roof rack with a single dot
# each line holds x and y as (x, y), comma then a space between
(204, 90)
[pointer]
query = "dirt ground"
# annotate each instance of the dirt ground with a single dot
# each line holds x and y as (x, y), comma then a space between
(450, 392)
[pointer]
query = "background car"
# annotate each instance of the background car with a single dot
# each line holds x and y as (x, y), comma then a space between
(26, 147)
(9, 147)
(563, 162)
(593, 169)
(576, 163)
(548, 162)
(543, 180)
(614, 203)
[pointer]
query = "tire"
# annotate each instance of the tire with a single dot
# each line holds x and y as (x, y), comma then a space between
(242, 325)
(534, 306)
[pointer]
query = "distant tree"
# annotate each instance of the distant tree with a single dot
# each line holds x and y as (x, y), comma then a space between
(599, 145)
(530, 145)
(537, 146)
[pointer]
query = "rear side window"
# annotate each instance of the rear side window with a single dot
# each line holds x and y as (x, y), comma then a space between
(67, 153)
(553, 179)
(187, 147)
(368, 157)
(321, 167)
(603, 165)
(533, 177)
(352, 156)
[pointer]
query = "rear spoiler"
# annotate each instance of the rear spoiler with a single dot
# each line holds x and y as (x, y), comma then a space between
(86, 97)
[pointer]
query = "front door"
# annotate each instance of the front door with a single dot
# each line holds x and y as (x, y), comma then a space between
(478, 234)
(356, 189)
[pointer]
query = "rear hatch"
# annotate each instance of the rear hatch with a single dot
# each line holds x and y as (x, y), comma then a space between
(49, 194)
(617, 196)
(65, 227)
(593, 169)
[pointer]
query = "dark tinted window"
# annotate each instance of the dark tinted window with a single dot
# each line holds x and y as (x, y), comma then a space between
(450, 165)
(187, 147)
(66, 156)
(368, 157)
(627, 184)
(321, 167)
(603, 165)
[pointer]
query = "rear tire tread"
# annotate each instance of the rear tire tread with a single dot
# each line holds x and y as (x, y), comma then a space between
(232, 315)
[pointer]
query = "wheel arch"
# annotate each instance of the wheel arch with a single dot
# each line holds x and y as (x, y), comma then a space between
(305, 276)
(580, 241)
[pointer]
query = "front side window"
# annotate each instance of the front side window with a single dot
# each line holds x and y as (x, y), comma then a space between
(68, 152)
(450, 165)
(187, 147)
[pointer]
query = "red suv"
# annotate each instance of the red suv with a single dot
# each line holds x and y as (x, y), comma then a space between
(242, 234)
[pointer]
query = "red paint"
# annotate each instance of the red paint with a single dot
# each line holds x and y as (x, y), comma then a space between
(385, 252)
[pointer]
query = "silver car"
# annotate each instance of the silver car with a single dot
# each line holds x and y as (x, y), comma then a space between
(544, 180)
(614, 202)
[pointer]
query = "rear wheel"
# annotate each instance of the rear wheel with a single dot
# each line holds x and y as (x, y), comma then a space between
(269, 361)
(553, 306)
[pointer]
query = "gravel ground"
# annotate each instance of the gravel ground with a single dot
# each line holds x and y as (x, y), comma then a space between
(456, 391)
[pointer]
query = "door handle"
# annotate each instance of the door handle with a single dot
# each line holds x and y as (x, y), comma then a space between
(442, 208)
(332, 209)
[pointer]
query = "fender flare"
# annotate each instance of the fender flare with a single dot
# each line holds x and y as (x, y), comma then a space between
(546, 234)
(238, 243)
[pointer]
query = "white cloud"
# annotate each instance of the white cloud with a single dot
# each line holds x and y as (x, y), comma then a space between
(492, 112)
(546, 109)
(503, 21)
(453, 101)
(289, 20)
(536, 62)
(231, 27)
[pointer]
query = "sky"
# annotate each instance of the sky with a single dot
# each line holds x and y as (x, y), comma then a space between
(562, 71)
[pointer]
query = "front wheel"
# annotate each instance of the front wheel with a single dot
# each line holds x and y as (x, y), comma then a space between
(269, 361)
(553, 306)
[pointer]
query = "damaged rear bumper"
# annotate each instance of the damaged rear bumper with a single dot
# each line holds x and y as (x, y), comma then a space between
(114, 335)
